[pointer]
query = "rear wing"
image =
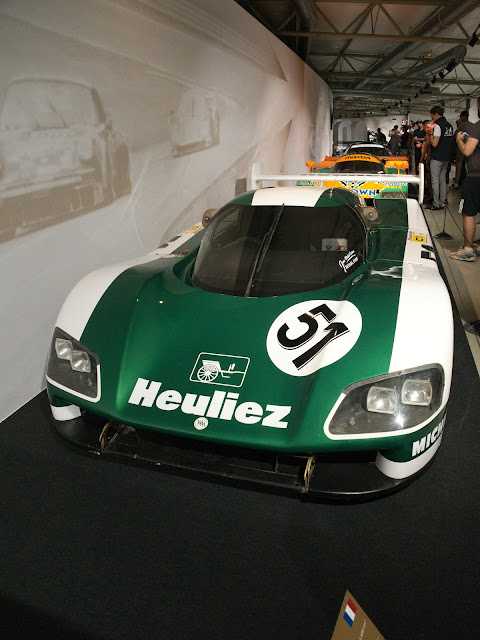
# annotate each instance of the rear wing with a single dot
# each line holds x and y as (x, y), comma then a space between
(257, 177)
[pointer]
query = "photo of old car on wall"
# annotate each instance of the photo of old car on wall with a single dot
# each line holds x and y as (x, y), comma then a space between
(60, 154)
(194, 124)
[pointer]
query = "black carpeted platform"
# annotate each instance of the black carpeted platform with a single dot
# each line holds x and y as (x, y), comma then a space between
(96, 549)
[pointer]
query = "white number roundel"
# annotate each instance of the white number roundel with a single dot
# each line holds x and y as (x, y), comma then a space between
(313, 334)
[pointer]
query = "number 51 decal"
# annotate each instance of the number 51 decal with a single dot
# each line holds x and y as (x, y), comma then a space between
(313, 334)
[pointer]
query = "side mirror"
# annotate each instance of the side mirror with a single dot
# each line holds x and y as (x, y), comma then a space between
(372, 216)
(207, 216)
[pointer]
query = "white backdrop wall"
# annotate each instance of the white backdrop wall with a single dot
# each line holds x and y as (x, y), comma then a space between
(195, 91)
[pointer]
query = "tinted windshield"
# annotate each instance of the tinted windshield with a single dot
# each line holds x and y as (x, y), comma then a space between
(374, 150)
(277, 250)
(357, 166)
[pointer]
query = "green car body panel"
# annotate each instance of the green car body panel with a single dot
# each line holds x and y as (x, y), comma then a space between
(156, 334)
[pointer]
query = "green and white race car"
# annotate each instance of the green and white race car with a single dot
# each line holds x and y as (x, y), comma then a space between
(295, 340)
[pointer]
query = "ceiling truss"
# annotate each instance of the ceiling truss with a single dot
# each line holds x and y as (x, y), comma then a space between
(372, 54)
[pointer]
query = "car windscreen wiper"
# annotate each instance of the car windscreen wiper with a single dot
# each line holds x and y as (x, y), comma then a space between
(262, 252)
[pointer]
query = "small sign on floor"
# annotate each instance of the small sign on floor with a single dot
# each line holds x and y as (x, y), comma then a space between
(353, 623)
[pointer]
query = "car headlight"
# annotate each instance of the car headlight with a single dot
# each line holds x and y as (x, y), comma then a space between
(393, 402)
(72, 366)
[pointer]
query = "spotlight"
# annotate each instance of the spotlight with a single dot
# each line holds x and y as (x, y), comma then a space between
(427, 86)
(434, 79)
(451, 65)
(474, 40)
(409, 99)
(416, 95)
(441, 75)
(421, 91)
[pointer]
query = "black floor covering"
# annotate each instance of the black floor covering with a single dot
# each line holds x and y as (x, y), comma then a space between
(96, 549)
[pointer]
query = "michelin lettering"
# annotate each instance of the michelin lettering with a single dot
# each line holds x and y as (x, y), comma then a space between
(419, 446)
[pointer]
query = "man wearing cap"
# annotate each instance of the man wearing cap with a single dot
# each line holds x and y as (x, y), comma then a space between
(469, 205)
(441, 142)
(463, 124)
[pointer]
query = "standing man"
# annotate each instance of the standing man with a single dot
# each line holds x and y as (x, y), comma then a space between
(441, 142)
(381, 137)
(418, 140)
(463, 124)
(394, 142)
(470, 197)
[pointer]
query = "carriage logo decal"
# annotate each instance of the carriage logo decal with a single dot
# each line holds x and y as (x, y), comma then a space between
(220, 369)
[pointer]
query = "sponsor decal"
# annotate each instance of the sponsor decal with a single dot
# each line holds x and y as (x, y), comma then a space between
(416, 237)
(368, 193)
(220, 369)
(350, 259)
(351, 185)
(309, 183)
(224, 405)
(360, 188)
(357, 156)
(171, 255)
(313, 334)
(334, 244)
(200, 424)
(196, 227)
(419, 446)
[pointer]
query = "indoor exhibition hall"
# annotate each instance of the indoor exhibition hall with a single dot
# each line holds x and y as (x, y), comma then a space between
(240, 266)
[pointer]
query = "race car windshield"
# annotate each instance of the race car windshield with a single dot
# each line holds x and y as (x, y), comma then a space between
(372, 151)
(357, 166)
(261, 251)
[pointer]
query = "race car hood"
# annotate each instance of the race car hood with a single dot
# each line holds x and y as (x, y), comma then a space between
(262, 372)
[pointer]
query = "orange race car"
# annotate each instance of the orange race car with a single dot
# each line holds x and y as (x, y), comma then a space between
(393, 164)
(357, 172)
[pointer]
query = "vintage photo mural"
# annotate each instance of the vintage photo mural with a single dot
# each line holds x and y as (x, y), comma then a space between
(121, 122)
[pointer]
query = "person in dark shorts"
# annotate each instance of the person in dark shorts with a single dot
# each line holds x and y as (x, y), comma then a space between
(470, 196)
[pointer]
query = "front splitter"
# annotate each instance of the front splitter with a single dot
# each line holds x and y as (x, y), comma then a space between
(339, 477)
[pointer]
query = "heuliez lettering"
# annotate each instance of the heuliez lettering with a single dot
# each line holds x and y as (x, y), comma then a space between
(221, 404)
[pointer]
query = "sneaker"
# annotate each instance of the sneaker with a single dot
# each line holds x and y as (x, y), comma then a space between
(464, 253)
(437, 207)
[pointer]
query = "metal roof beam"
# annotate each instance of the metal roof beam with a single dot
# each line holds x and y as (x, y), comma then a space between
(328, 35)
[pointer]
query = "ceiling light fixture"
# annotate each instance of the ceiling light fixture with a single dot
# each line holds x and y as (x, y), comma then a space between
(474, 38)
(451, 65)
